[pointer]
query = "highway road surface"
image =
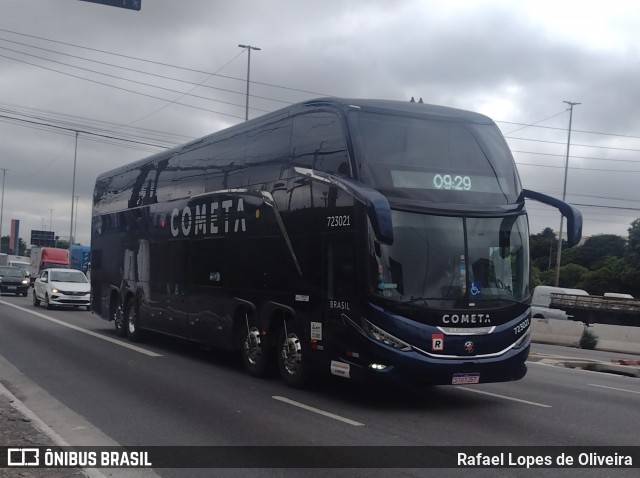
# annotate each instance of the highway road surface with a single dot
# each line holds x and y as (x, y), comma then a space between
(93, 388)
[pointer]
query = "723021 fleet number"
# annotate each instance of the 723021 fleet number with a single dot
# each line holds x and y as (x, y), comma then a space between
(338, 221)
(521, 326)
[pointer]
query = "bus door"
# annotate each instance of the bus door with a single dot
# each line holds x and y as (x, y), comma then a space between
(173, 320)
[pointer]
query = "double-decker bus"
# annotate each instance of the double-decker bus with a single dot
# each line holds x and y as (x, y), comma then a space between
(360, 238)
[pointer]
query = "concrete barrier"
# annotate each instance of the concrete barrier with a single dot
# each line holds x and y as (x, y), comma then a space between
(556, 331)
(612, 338)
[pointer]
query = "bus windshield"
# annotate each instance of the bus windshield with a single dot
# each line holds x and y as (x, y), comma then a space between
(430, 263)
(437, 161)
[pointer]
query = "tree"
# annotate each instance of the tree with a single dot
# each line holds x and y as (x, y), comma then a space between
(594, 250)
(22, 247)
(543, 248)
(634, 237)
(609, 277)
(572, 275)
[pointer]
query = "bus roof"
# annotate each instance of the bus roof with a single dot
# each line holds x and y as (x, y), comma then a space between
(393, 107)
(407, 108)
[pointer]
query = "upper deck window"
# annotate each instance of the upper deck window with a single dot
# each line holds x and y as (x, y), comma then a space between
(318, 143)
(439, 161)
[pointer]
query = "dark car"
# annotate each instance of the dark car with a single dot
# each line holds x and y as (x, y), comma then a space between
(13, 281)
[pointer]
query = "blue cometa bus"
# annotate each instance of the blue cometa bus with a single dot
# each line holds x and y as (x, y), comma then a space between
(360, 238)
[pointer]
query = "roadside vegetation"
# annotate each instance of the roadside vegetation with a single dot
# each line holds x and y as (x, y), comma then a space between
(603, 263)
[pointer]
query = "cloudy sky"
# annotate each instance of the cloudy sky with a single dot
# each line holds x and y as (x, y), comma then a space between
(135, 82)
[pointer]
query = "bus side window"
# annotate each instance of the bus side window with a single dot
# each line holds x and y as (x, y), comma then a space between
(318, 143)
(226, 164)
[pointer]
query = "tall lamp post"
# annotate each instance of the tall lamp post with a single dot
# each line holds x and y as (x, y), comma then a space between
(4, 173)
(73, 191)
(564, 192)
(75, 221)
(249, 48)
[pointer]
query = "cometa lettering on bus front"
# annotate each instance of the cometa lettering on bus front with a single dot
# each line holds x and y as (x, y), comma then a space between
(466, 319)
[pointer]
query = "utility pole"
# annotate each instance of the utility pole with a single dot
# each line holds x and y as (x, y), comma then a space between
(249, 48)
(4, 173)
(73, 191)
(75, 222)
(564, 191)
(50, 220)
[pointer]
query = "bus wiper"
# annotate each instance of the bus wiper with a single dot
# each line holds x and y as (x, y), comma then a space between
(418, 299)
(500, 299)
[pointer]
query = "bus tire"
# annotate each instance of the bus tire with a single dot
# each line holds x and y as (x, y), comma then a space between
(254, 348)
(293, 368)
(131, 313)
(119, 322)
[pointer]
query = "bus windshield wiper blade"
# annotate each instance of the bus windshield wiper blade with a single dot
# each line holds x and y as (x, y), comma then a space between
(418, 299)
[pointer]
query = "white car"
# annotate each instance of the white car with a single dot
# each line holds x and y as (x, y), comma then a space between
(62, 287)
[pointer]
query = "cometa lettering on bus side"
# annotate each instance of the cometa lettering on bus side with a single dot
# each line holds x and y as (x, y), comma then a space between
(209, 219)
(466, 319)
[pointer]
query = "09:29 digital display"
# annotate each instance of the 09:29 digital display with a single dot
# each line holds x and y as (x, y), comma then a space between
(447, 181)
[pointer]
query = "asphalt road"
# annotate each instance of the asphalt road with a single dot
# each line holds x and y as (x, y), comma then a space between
(93, 388)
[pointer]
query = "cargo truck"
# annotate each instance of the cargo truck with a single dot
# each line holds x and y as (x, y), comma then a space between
(79, 257)
(45, 257)
(594, 309)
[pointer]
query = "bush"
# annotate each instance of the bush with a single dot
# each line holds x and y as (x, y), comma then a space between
(589, 340)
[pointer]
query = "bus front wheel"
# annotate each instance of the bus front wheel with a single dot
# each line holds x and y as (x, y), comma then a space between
(292, 366)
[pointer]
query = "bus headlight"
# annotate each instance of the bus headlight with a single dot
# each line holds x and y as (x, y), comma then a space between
(386, 338)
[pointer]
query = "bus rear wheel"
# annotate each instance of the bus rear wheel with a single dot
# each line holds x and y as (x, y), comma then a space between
(292, 366)
(131, 312)
(119, 322)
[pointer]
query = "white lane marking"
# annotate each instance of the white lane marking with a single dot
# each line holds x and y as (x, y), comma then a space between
(482, 392)
(85, 331)
(614, 388)
(318, 411)
(43, 427)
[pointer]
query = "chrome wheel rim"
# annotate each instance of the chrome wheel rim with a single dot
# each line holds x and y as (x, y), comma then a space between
(253, 346)
(131, 322)
(292, 354)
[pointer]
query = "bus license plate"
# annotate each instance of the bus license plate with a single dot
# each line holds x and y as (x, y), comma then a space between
(464, 378)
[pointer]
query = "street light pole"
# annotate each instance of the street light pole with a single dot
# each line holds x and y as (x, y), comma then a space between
(75, 222)
(249, 48)
(564, 192)
(73, 190)
(4, 173)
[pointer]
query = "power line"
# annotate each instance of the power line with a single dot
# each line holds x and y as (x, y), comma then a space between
(109, 75)
(161, 63)
(67, 119)
(577, 168)
(537, 122)
(123, 89)
(574, 131)
(83, 132)
(113, 65)
(572, 144)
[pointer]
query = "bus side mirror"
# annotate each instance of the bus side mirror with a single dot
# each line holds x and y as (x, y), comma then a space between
(574, 217)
